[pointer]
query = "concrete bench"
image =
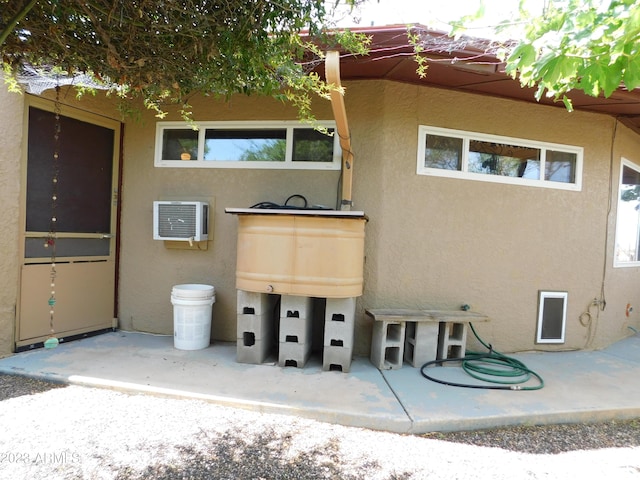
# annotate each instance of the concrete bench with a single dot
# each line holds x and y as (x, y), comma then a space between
(418, 336)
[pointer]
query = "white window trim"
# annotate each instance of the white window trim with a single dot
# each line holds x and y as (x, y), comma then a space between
(466, 137)
(616, 264)
(289, 125)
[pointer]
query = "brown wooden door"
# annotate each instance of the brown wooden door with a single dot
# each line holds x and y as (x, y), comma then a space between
(86, 225)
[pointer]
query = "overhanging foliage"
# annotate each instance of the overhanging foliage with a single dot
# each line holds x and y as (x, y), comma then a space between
(588, 45)
(164, 51)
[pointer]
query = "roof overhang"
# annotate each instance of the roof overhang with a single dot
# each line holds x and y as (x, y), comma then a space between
(466, 65)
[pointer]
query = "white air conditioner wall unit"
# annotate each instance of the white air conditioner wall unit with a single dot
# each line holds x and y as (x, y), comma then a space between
(180, 221)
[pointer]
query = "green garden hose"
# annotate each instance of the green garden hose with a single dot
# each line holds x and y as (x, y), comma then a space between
(499, 371)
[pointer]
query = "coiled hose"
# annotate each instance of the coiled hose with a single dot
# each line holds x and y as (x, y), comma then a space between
(499, 371)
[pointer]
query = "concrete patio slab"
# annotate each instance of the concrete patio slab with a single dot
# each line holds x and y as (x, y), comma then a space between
(149, 363)
(579, 386)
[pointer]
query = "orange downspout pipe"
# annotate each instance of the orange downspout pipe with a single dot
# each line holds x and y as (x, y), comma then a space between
(332, 73)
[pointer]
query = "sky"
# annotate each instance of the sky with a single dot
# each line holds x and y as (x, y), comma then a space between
(435, 13)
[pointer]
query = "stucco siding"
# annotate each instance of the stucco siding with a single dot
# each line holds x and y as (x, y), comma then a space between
(444, 242)
(148, 270)
(11, 106)
(431, 242)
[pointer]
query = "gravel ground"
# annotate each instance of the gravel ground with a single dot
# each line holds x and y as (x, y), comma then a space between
(71, 432)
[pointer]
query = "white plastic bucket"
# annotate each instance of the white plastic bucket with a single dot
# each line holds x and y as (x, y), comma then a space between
(192, 308)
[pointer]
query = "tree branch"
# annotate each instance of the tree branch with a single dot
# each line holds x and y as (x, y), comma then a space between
(14, 21)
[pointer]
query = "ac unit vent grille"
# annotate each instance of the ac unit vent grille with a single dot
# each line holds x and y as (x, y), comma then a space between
(177, 221)
(180, 221)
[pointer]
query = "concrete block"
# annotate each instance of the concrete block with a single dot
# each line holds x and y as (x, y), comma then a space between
(255, 303)
(260, 325)
(341, 307)
(387, 344)
(421, 342)
(337, 358)
(293, 354)
(335, 332)
(339, 321)
(295, 330)
(452, 340)
(253, 351)
(295, 306)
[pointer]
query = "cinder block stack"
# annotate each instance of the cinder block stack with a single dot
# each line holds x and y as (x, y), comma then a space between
(255, 326)
(296, 320)
(339, 326)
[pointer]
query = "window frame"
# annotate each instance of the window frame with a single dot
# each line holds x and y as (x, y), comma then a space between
(468, 136)
(287, 164)
(616, 263)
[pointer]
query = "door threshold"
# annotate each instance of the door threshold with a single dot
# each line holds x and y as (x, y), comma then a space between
(69, 338)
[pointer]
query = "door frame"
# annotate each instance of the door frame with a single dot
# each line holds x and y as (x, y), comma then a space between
(116, 182)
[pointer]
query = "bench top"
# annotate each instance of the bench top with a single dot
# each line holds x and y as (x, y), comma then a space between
(408, 315)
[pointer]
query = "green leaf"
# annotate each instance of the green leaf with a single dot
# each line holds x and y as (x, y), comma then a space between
(631, 77)
(164, 51)
(539, 92)
(553, 69)
(591, 45)
(613, 78)
(556, 23)
(591, 79)
(632, 23)
(568, 104)
(523, 55)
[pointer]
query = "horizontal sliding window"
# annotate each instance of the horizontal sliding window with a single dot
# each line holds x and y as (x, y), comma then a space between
(247, 145)
(459, 154)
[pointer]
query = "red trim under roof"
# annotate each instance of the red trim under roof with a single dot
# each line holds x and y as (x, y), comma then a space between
(468, 65)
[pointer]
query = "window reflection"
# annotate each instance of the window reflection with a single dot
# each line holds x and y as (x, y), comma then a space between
(180, 144)
(245, 145)
(312, 145)
(475, 156)
(503, 159)
(560, 166)
(443, 152)
(628, 222)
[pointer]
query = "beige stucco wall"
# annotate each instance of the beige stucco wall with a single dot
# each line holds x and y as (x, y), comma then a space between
(148, 270)
(430, 241)
(11, 106)
(442, 242)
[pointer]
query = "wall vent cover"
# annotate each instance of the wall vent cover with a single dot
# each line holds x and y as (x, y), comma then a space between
(181, 221)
